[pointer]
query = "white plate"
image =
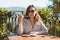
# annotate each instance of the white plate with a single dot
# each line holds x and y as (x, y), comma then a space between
(34, 33)
(25, 35)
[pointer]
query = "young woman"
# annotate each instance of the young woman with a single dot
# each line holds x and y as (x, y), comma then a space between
(32, 22)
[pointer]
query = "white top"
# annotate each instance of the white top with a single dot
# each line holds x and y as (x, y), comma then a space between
(26, 27)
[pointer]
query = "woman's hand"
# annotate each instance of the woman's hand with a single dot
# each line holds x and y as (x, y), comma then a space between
(20, 19)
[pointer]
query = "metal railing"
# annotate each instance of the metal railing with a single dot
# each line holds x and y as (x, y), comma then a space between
(13, 21)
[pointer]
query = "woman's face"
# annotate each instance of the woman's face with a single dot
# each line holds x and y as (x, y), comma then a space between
(32, 12)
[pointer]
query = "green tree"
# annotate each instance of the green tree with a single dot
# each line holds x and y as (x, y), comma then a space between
(56, 26)
(46, 14)
(3, 20)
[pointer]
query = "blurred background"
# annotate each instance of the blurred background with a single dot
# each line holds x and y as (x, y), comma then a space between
(49, 10)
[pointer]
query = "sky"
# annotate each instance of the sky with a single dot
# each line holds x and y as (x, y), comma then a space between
(24, 3)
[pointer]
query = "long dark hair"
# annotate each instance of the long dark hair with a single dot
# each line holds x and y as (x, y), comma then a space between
(37, 16)
(27, 11)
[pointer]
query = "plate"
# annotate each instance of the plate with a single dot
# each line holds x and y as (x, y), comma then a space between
(25, 35)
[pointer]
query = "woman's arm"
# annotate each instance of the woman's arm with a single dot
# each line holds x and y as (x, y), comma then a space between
(20, 29)
(43, 29)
